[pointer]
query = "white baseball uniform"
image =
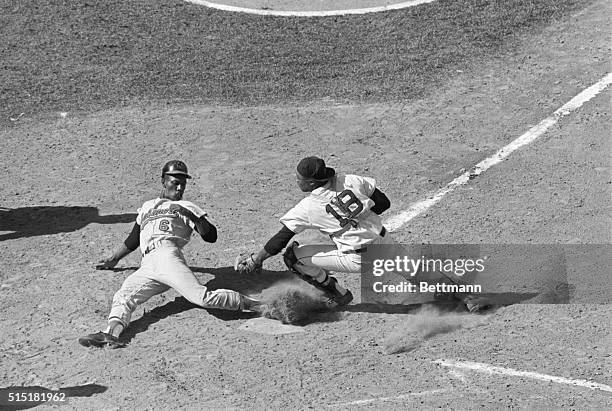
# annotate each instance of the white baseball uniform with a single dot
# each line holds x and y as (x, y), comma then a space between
(340, 209)
(164, 231)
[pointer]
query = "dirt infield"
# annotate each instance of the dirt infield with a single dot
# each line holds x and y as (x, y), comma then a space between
(73, 183)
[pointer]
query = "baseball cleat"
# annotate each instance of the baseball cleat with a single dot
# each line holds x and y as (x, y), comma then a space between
(476, 304)
(341, 300)
(101, 339)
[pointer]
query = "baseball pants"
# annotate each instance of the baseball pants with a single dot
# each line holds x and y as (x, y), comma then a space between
(160, 270)
(317, 260)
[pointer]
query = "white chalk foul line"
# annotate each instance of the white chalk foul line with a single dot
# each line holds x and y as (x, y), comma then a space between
(492, 369)
(322, 13)
(395, 398)
(397, 221)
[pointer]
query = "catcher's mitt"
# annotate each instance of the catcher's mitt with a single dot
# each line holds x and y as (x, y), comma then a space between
(245, 263)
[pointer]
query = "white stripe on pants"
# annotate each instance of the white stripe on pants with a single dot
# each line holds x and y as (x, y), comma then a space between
(160, 270)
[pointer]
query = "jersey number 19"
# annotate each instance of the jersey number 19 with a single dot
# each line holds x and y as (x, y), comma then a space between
(348, 206)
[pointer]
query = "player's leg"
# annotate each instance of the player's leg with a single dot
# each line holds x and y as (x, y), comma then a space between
(312, 263)
(136, 289)
(328, 258)
(174, 271)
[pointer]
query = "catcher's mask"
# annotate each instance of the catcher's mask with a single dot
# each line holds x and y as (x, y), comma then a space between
(175, 168)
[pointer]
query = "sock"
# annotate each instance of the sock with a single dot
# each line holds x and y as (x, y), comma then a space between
(115, 328)
(250, 304)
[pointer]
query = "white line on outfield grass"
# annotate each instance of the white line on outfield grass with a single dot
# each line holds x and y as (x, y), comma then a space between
(396, 398)
(492, 369)
(397, 221)
(322, 13)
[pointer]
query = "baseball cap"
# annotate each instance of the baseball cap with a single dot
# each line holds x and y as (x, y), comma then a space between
(175, 168)
(313, 168)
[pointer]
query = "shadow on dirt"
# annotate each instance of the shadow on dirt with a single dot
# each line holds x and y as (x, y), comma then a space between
(226, 277)
(45, 220)
(248, 284)
(253, 284)
(122, 269)
(178, 305)
(23, 398)
(380, 308)
(496, 300)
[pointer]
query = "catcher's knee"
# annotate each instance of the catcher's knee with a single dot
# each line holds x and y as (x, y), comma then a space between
(289, 257)
(291, 262)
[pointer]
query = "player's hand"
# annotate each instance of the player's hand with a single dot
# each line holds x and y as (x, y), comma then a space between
(107, 264)
(246, 263)
(183, 211)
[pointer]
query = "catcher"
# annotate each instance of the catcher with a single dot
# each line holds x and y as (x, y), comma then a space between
(347, 208)
(163, 227)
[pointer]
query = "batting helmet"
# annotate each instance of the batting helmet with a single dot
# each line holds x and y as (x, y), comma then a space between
(175, 168)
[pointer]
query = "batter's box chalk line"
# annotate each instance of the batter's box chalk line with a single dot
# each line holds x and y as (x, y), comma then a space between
(493, 369)
(401, 397)
(398, 221)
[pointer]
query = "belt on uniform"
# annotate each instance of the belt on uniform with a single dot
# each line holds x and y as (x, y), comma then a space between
(152, 247)
(383, 232)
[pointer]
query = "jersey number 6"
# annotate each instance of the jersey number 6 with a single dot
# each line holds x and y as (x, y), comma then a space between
(164, 225)
(349, 206)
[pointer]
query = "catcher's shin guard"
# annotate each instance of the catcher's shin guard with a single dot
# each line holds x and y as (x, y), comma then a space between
(291, 261)
(331, 290)
(328, 286)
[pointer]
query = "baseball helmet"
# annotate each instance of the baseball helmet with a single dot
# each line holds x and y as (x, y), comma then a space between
(314, 168)
(175, 168)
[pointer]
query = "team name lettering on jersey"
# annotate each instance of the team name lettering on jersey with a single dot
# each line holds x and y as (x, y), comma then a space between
(160, 219)
(157, 213)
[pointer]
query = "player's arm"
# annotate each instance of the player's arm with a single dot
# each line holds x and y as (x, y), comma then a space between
(207, 230)
(130, 244)
(381, 202)
(274, 246)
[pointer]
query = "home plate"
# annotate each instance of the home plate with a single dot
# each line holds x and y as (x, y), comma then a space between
(268, 326)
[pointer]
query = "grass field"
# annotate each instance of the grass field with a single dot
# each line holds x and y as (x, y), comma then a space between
(84, 55)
